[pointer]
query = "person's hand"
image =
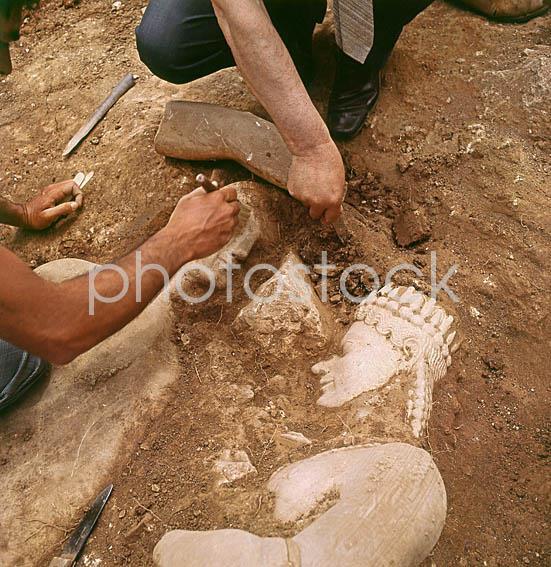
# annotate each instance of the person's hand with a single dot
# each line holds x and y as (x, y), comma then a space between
(202, 222)
(45, 209)
(317, 180)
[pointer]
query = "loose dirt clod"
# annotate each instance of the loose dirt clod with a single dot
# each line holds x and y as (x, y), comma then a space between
(411, 226)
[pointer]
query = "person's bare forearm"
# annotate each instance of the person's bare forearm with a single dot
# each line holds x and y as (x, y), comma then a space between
(54, 320)
(59, 321)
(266, 65)
(10, 213)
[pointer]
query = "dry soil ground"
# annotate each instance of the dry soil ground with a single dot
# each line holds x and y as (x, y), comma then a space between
(461, 134)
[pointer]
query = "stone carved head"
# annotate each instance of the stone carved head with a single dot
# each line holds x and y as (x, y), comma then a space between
(397, 332)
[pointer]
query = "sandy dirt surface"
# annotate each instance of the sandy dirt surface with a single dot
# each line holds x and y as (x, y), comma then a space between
(460, 139)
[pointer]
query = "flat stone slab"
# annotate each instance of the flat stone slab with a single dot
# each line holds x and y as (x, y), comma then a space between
(202, 131)
(58, 446)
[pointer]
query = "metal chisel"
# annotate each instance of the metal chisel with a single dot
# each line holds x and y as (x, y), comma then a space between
(80, 536)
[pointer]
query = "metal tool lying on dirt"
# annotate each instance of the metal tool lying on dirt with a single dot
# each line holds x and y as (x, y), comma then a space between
(80, 536)
(120, 90)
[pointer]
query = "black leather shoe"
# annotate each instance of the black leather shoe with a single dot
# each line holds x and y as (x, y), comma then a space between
(355, 92)
(19, 370)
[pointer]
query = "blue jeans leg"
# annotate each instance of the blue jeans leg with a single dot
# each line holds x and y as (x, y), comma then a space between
(180, 40)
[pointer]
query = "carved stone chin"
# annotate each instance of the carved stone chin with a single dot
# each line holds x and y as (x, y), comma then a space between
(399, 334)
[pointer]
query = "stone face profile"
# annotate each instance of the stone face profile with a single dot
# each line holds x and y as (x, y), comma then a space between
(399, 334)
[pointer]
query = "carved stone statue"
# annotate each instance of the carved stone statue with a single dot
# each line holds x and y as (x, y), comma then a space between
(378, 504)
(399, 335)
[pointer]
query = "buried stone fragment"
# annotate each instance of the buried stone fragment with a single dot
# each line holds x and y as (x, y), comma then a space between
(286, 308)
(231, 466)
(292, 439)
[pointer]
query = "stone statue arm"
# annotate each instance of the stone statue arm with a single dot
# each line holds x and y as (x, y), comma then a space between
(316, 176)
(55, 320)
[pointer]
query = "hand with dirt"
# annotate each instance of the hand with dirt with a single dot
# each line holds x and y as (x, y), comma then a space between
(43, 210)
(203, 223)
(317, 180)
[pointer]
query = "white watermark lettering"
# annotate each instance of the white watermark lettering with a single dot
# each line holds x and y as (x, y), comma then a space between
(435, 287)
(182, 276)
(141, 270)
(93, 294)
(298, 291)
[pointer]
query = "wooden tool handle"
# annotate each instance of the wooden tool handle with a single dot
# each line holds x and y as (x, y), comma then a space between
(206, 183)
(122, 88)
(218, 176)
